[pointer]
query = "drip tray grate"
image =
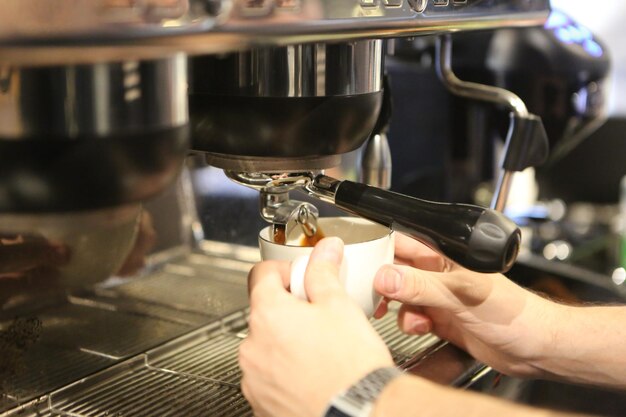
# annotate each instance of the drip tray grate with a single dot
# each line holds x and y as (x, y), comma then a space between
(198, 284)
(405, 349)
(195, 375)
(148, 391)
(214, 358)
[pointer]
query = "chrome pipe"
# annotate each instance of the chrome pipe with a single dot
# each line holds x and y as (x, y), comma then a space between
(480, 92)
(471, 90)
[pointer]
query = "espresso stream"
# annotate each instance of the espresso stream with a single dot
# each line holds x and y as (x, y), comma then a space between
(305, 241)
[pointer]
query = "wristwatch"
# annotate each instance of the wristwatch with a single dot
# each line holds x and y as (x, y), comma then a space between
(358, 400)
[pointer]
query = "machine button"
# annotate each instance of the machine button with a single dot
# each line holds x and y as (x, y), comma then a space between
(256, 8)
(392, 3)
(441, 2)
(418, 5)
(369, 3)
(455, 2)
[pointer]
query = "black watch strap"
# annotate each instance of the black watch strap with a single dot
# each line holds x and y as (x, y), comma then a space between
(359, 399)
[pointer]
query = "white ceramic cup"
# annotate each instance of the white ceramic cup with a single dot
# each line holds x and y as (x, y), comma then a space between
(368, 246)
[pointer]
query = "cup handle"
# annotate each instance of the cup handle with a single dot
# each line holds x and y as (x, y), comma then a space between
(298, 270)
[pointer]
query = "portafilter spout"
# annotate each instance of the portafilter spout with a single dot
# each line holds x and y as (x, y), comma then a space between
(289, 219)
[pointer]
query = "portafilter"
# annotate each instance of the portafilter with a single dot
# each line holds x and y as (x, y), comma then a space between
(477, 238)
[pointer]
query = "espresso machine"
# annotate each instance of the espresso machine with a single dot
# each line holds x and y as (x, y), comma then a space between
(106, 107)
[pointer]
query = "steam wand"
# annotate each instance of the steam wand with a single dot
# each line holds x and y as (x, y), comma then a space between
(526, 142)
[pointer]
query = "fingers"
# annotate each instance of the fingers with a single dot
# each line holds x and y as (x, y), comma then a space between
(321, 280)
(409, 251)
(23, 255)
(412, 286)
(268, 281)
(382, 309)
(413, 320)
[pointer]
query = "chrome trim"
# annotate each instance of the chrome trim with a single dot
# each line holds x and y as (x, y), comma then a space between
(67, 102)
(58, 31)
(471, 90)
(238, 163)
(273, 182)
(480, 92)
(309, 70)
(323, 187)
(377, 163)
(502, 190)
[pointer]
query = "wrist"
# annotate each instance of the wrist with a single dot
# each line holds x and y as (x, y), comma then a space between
(556, 336)
(587, 347)
(538, 329)
(408, 396)
(389, 401)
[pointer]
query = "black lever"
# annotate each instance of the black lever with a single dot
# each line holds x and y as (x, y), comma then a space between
(477, 238)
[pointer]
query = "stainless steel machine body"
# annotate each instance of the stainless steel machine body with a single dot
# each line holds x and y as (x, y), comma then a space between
(60, 31)
(303, 104)
(93, 111)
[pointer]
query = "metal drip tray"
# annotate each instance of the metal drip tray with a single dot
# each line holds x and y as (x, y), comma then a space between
(112, 334)
(161, 344)
(87, 333)
(406, 350)
(41, 374)
(209, 357)
(196, 375)
(139, 389)
(198, 284)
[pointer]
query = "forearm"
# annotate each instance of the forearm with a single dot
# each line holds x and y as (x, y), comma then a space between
(410, 396)
(588, 346)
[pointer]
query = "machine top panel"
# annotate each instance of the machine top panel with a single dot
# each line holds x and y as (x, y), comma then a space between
(45, 31)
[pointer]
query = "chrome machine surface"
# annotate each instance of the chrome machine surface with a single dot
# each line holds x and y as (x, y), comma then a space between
(94, 117)
(61, 31)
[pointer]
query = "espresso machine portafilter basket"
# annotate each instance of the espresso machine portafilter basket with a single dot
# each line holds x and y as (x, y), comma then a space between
(286, 108)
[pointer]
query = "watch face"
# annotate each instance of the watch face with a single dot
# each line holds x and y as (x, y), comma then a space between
(359, 399)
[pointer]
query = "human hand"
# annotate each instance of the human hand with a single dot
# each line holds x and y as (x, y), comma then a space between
(495, 320)
(29, 263)
(21, 255)
(299, 355)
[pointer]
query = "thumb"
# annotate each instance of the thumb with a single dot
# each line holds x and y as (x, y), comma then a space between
(412, 286)
(321, 279)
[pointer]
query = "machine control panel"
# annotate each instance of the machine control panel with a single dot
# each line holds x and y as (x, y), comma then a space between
(168, 26)
(310, 16)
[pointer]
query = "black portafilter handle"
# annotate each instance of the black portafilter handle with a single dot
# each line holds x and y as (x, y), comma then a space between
(477, 238)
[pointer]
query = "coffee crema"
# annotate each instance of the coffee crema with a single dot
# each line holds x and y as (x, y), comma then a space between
(305, 242)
